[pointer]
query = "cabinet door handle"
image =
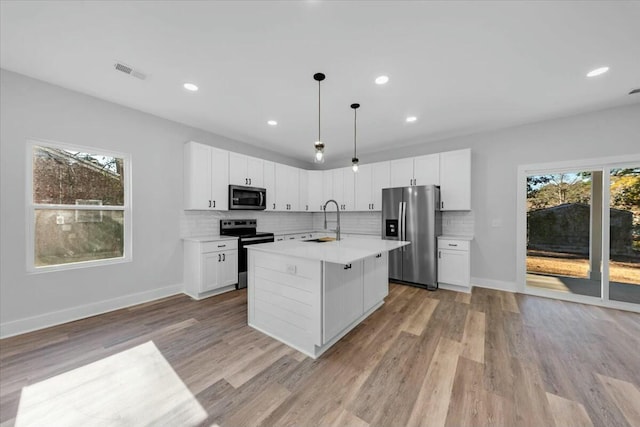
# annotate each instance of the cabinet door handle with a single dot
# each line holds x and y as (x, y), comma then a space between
(222, 246)
(249, 181)
(347, 266)
(224, 257)
(373, 206)
(379, 256)
(214, 203)
(306, 207)
(439, 254)
(209, 203)
(453, 244)
(441, 205)
(219, 257)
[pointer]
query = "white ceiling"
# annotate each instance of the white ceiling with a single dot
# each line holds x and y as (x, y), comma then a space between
(460, 67)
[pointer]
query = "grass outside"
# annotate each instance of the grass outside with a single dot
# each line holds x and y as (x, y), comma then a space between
(555, 264)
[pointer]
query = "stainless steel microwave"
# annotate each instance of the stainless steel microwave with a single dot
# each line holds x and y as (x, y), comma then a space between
(247, 198)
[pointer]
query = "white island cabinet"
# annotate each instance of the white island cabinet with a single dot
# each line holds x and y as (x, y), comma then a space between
(309, 295)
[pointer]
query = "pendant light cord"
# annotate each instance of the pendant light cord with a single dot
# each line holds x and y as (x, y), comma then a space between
(319, 111)
(355, 119)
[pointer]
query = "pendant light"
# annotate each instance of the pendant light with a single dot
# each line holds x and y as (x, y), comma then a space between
(319, 145)
(354, 160)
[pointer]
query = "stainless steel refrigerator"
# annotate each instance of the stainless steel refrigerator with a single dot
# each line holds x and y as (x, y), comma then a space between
(413, 214)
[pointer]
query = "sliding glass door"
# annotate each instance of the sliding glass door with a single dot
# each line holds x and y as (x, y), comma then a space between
(581, 231)
(563, 232)
(624, 234)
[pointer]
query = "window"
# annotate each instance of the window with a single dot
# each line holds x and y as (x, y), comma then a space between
(79, 207)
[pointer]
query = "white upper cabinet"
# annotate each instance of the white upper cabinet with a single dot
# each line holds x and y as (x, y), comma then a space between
(245, 170)
(209, 171)
(327, 188)
(303, 191)
(426, 170)
(343, 183)
(455, 180)
(370, 180)
(364, 188)
(315, 188)
(402, 172)
(206, 177)
(381, 179)
(287, 192)
(269, 182)
(422, 170)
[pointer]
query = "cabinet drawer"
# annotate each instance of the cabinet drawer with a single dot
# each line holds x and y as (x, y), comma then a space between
(224, 245)
(461, 245)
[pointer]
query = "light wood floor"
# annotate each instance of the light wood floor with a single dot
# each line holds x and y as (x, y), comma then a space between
(424, 358)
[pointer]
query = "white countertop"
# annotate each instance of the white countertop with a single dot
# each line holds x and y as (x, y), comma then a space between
(329, 232)
(344, 251)
(456, 237)
(209, 238)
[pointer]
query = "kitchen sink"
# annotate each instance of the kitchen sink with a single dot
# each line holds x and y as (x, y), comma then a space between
(322, 240)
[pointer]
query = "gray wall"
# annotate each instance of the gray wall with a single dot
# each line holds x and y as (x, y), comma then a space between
(33, 109)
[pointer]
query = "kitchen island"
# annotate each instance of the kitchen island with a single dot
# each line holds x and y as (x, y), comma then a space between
(309, 294)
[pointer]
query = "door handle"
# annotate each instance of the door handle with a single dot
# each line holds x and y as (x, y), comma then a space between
(219, 257)
(224, 257)
(209, 203)
(214, 203)
(452, 244)
(347, 266)
(222, 246)
(379, 256)
(249, 181)
(439, 254)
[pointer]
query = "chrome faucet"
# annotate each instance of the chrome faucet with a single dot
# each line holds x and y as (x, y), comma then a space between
(325, 217)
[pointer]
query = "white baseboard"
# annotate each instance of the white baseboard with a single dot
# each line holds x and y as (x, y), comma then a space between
(29, 324)
(454, 288)
(494, 284)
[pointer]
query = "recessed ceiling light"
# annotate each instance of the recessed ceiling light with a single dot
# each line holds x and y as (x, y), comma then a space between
(380, 80)
(272, 123)
(190, 87)
(411, 119)
(597, 71)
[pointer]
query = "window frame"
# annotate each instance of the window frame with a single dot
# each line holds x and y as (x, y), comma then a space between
(31, 208)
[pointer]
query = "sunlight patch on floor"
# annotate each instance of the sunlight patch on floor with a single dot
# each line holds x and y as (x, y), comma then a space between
(548, 282)
(136, 387)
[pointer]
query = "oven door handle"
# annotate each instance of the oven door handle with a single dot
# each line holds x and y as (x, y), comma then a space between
(261, 199)
(256, 239)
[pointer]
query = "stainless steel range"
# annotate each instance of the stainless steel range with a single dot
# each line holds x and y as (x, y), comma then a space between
(245, 230)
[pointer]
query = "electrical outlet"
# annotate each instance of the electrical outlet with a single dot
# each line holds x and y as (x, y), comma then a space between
(291, 268)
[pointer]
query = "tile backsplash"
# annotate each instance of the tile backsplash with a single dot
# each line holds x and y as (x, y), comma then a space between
(201, 223)
(207, 223)
(459, 222)
(350, 222)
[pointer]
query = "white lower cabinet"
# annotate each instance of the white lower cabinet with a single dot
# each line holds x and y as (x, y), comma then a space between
(376, 281)
(454, 263)
(343, 297)
(210, 267)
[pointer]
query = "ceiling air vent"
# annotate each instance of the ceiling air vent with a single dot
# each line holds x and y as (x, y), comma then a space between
(119, 66)
(634, 91)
